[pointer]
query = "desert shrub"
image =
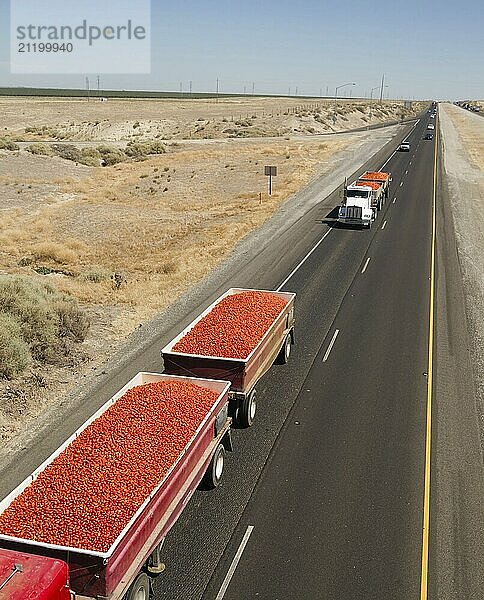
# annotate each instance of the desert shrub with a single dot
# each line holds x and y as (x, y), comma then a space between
(73, 323)
(97, 275)
(15, 354)
(136, 149)
(90, 157)
(91, 152)
(43, 317)
(7, 144)
(67, 151)
(39, 148)
(29, 303)
(110, 156)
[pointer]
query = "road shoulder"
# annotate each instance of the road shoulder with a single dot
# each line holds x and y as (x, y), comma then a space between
(457, 511)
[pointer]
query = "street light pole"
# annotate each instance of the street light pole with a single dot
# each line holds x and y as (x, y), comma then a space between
(382, 83)
(371, 102)
(339, 87)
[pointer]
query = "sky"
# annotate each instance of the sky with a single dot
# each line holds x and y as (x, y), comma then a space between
(425, 49)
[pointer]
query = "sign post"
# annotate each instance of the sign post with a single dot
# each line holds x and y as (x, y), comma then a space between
(270, 172)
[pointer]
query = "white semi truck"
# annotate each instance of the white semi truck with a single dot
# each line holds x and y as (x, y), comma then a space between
(364, 198)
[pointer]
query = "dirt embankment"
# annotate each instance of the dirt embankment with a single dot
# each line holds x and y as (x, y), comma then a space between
(76, 119)
(463, 142)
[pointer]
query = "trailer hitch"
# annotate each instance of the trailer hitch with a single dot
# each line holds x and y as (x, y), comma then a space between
(17, 568)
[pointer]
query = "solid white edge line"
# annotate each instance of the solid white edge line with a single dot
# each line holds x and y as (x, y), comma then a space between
(401, 183)
(394, 200)
(384, 225)
(303, 261)
(366, 264)
(330, 347)
(235, 562)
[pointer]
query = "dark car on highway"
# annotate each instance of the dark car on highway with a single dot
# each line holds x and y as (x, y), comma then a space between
(429, 136)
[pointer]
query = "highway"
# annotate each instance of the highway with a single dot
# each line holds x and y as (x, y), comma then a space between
(323, 496)
(337, 512)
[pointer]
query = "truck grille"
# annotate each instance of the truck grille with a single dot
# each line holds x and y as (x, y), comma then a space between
(353, 212)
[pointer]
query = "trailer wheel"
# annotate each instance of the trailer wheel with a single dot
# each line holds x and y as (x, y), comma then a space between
(140, 588)
(283, 356)
(247, 410)
(213, 475)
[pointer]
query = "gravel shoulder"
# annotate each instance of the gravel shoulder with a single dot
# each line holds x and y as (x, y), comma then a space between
(457, 496)
(463, 152)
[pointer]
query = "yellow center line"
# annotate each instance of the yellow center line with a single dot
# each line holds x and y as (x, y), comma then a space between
(428, 430)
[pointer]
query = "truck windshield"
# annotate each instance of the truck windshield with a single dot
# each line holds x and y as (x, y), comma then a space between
(357, 194)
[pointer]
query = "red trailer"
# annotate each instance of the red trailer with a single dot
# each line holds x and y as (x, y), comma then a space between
(29, 577)
(125, 570)
(243, 373)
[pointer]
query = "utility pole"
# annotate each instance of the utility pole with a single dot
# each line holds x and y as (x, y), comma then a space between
(295, 93)
(381, 88)
(98, 86)
(245, 90)
(88, 89)
(327, 90)
(217, 88)
(253, 87)
(190, 87)
(289, 92)
(181, 89)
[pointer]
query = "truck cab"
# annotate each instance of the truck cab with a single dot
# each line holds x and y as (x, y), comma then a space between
(32, 577)
(357, 209)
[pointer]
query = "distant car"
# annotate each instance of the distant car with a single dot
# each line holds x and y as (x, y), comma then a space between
(404, 147)
(429, 136)
(432, 116)
(430, 126)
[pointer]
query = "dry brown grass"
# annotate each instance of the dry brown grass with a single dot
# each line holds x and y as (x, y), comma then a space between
(121, 219)
(36, 119)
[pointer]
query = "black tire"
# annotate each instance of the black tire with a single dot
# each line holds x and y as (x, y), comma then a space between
(140, 588)
(247, 410)
(213, 474)
(283, 356)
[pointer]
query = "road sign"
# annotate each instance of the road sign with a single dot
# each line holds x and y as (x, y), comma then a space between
(271, 172)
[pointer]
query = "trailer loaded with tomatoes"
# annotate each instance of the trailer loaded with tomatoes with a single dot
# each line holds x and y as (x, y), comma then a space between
(237, 339)
(90, 522)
